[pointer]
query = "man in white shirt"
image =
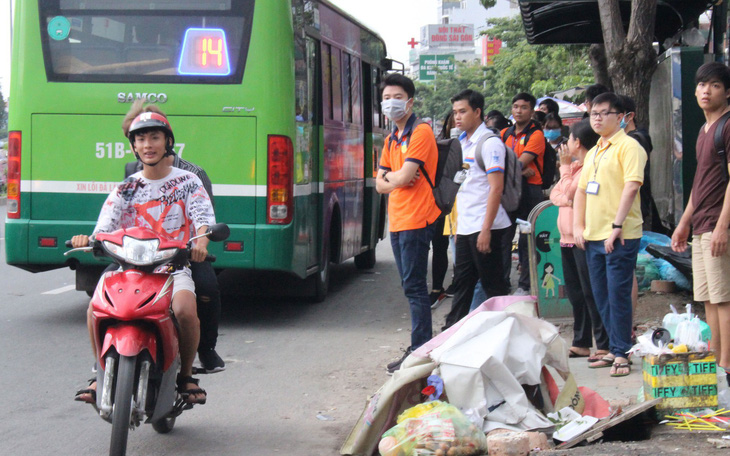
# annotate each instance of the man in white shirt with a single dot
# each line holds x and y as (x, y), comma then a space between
(481, 219)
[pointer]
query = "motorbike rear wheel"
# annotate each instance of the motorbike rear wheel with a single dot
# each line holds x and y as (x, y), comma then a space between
(121, 416)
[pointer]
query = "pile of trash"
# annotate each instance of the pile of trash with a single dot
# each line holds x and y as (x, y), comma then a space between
(486, 373)
(680, 333)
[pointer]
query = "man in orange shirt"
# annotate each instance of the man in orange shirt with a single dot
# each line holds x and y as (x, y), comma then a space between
(526, 138)
(409, 152)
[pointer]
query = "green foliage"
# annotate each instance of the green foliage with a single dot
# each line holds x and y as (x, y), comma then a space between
(519, 67)
(433, 99)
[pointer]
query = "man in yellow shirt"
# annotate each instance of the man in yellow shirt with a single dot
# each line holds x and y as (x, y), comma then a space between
(608, 224)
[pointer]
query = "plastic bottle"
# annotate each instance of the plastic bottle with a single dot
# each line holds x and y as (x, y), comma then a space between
(723, 391)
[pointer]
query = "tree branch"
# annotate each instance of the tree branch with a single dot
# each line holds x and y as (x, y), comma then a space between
(643, 21)
(612, 26)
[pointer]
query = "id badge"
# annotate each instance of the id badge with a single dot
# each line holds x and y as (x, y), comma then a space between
(592, 188)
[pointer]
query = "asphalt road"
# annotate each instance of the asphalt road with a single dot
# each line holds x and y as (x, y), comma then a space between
(298, 374)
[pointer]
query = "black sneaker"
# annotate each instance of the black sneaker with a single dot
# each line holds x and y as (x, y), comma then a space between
(436, 297)
(450, 291)
(395, 365)
(210, 362)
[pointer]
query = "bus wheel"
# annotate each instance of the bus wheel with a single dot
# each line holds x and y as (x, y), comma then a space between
(365, 260)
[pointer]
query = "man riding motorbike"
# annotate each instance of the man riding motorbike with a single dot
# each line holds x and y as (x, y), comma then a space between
(170, 201)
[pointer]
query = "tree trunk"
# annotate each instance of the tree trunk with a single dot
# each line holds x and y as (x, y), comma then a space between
(599, 64)
(631, 56)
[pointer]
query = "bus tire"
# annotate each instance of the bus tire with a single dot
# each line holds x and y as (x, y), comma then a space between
(365, 260)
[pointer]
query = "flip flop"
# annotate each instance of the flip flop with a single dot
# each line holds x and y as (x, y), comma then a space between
(598, 355)
(618, 366)
(606, 361)
(574, 354)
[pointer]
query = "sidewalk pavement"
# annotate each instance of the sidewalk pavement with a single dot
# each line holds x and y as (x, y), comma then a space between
(616, 390)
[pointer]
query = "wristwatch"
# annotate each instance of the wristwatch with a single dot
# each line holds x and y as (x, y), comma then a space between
(614, 226)
(385, 178)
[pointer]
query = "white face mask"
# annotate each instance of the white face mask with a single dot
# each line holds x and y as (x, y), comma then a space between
(394, 109)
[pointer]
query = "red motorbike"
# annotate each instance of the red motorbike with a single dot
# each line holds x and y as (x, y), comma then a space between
(135, 332)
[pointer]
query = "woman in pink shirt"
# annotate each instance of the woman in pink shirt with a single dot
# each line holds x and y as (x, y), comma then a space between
(587, 320)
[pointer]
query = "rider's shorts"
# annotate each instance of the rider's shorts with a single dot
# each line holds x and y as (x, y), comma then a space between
(183, 280)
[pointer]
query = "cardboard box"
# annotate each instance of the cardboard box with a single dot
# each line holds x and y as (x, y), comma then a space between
(686, 381)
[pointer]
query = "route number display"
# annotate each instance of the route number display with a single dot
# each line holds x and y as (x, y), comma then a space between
(204, 53)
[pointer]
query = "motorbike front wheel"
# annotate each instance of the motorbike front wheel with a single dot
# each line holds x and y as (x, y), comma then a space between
(121, 416)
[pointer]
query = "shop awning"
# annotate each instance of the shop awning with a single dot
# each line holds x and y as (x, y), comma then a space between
(578, 22)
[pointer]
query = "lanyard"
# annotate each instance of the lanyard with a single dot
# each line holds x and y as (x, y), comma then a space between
(596, 166)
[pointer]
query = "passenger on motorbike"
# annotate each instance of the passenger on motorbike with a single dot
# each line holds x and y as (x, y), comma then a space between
(170, 201)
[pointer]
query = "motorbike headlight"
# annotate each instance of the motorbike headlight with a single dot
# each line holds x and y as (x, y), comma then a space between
(139, 252)
(162, 255)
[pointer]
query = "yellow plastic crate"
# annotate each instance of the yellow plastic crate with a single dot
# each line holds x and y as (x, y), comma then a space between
(686, 381)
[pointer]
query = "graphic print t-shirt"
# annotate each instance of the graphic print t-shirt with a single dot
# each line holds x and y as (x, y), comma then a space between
(176, 205)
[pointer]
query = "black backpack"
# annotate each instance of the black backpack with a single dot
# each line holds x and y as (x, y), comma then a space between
(549, 169)
(550, 166)
(450, 160)
(719, 143)
(449, 163)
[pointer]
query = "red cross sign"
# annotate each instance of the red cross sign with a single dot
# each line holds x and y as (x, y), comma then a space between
(413, 43)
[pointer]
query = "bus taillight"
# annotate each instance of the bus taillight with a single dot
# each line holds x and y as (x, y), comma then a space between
(280, 185)
(14, 140)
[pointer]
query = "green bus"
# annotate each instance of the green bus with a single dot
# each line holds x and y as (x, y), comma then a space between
(277, 100)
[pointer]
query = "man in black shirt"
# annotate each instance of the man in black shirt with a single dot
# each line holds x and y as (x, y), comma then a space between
(649, 211)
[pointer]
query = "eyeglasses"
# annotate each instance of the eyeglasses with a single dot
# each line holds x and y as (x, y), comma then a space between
(600, 115)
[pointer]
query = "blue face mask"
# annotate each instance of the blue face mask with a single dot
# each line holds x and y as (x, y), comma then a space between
(552, 135)
(623, 123)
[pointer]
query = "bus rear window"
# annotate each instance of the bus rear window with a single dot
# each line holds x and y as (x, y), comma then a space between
(180, 41)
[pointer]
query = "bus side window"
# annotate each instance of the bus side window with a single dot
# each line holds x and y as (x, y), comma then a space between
(346, 87)
(377, 116)
(336, 85)
(356, 90)
(301, 81)
(327, 80)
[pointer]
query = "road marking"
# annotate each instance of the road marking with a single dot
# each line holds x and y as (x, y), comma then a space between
(60, 290)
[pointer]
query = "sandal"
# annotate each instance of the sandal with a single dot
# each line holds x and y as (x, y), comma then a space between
(617, 366)
(90, 391)
(598, 355)
(574, 354)
(606, 361)
(182, 381)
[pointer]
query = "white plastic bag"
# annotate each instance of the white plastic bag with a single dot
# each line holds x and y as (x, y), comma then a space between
(689, 333)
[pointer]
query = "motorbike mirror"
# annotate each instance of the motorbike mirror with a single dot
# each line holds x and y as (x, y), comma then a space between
(218, 232)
